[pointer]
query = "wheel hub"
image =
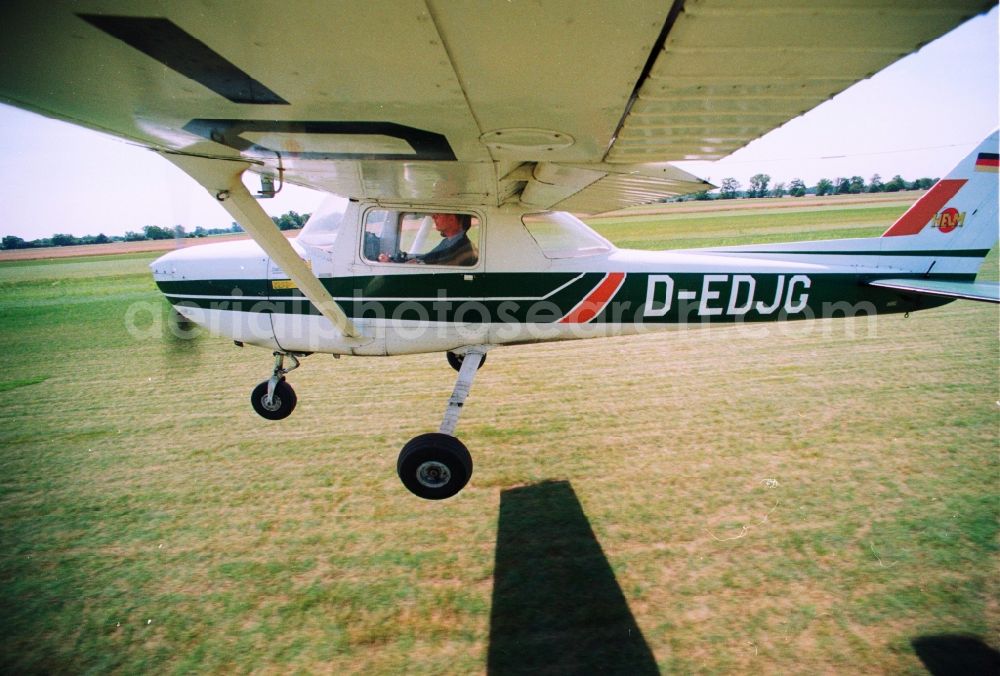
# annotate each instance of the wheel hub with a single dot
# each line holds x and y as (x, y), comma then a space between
(433, 474)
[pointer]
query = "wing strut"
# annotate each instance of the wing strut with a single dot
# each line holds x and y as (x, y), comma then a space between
(223, 178)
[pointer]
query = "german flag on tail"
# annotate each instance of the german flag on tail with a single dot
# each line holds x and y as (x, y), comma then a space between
(987, 162)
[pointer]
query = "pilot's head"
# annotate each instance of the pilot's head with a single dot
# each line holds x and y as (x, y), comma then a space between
(450, 225)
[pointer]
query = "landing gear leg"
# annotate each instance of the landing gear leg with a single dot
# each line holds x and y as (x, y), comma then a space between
(274, 398)
(455, 360)
(437, 465)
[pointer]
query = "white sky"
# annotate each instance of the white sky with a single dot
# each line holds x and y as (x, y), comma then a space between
(917, 118)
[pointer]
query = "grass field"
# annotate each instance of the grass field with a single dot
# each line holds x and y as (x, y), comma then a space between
(815, 498)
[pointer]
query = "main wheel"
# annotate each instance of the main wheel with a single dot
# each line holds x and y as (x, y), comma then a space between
(434, 466)
(455, 360)
(282, 403)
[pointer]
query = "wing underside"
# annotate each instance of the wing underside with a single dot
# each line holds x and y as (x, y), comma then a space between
(556, 104)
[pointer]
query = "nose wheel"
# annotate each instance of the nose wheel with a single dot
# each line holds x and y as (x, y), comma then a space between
(274, 398)
(274, 406)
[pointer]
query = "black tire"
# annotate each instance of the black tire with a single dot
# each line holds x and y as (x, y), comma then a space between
(434, 466)
(282, 404)
(455, 360)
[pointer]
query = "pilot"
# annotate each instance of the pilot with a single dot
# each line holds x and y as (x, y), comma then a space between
(455, 247)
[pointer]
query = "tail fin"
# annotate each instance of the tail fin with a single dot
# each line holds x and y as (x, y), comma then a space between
(941, 241)
(959, 213)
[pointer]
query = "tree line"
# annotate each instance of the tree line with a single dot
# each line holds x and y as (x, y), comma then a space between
(760, 186)
(287, 221)
(729, 188)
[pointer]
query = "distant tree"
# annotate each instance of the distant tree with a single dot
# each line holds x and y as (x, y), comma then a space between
(235, 227)
(701, 196)
(758, 185)
(205, 232)
(778, 190)
(179, 231)
(12, 242)
(290, 220)
(824, 187)
(843, 186)
(131, 236)
(796, 188)
(895, 184)
(875, 184)
(157, 232)
(922, 183)
(857, 185)
(729, 189)
(63, 240)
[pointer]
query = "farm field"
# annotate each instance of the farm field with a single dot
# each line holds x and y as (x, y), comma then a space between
(655, 212)
(118, 248)
(813, 497)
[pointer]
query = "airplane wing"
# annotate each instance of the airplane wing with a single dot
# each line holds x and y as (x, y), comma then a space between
(557, 104)
(988, 292)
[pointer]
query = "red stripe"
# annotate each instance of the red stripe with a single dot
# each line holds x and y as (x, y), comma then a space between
(987, 162)
(921, 213)
(592, 305)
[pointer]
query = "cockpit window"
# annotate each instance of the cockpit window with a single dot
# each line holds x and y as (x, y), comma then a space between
(323, 225)
(438, 238)
(562, 235)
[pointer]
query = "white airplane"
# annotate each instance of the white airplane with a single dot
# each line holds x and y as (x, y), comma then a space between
(463, 133)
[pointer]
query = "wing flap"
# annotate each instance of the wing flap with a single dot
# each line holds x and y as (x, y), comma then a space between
(987, 292)
(594, 188)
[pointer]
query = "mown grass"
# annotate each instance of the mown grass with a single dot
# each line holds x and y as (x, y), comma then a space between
(813, 497)
(731, 227)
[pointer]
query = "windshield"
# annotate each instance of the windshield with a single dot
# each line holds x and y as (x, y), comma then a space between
(563, 235)
(322, 227)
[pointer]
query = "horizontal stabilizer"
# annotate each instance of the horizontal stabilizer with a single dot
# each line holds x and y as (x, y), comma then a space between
(988, 292)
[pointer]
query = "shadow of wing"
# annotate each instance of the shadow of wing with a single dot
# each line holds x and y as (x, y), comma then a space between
(951, 655)
(557, 607)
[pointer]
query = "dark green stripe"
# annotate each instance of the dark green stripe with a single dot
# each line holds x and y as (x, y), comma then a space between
(838, 290)
(216, 287)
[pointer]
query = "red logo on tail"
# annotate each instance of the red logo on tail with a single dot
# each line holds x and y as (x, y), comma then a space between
(949, 219)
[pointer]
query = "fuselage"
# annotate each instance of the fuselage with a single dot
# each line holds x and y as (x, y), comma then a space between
(523, 288)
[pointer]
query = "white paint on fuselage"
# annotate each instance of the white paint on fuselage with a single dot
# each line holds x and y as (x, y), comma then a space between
(506, 248)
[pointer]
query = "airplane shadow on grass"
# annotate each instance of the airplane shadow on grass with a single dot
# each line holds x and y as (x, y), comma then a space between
(181, 337)
(955, 655)
(557, 607)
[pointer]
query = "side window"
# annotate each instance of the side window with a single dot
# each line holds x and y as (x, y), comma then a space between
(562, 235)
(421, 238)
